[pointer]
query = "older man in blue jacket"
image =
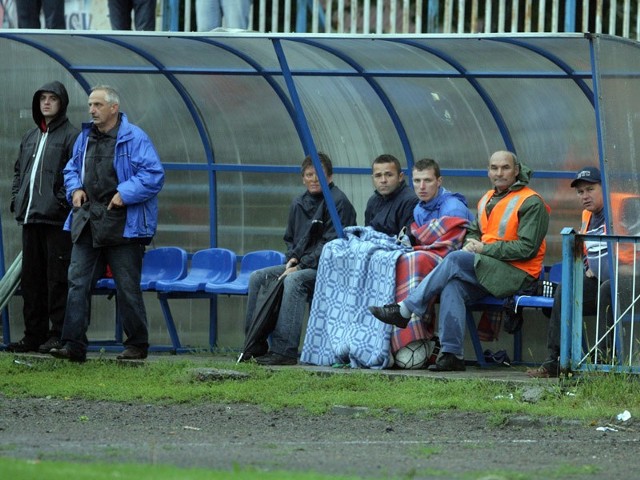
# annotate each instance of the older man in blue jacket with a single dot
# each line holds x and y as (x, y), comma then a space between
(112, 182)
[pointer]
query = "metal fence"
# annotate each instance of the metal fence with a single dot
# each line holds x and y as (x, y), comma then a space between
(446, 16)
(609, 340)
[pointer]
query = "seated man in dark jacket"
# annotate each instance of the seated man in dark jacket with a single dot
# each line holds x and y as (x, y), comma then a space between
(390, 208)
(308, 229)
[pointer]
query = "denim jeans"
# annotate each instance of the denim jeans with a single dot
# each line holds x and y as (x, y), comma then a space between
(88, 264)
(298, 287)
(456, 283)
(144, 14)
(209, 14)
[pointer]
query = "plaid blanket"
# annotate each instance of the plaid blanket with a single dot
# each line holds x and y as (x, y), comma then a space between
(357, 272)
(435, 240)
(353, 273)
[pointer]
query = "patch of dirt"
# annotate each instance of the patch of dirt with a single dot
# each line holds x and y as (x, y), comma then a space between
(344, 441)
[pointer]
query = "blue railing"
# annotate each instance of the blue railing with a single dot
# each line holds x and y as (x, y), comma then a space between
(609, 340)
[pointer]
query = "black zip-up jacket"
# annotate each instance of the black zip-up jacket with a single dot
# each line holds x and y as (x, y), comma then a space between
(47, 194)
(389, 213)
(310, 225)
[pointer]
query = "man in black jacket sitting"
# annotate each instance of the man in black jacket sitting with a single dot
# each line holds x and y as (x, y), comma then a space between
(308, 229)
(390, 208)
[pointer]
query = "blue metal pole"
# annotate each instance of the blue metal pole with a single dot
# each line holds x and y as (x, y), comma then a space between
(170, 15)
(566, 314)
(301, 16)
(433, 13)
(570, 16)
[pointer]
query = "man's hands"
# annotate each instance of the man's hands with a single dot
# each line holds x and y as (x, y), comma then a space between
(473, 245)
(78, 198)
(291, 266)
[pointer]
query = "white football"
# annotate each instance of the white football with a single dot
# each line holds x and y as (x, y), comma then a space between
(414, 355)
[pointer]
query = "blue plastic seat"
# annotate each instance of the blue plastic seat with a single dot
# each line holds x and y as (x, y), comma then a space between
(216, 265)
(163, 263)
(251, 262)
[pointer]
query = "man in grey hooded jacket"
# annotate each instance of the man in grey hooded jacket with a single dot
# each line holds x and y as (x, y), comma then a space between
(39, 205)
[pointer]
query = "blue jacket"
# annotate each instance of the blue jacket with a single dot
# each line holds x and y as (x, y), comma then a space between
(446, 203)
(139, 171)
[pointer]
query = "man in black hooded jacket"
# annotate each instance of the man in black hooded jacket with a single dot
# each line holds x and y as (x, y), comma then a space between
(39, 205)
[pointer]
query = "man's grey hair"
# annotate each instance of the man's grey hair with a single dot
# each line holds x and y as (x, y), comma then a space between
(111, 95)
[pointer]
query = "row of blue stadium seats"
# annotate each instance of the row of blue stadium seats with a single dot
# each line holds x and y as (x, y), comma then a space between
(212, 270)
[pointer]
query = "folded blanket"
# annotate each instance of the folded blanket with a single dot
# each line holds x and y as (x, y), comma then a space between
(353, 274)
(435, 240)
(359, 271)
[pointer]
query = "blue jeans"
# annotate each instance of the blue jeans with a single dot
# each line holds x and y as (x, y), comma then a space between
(298, 287)
(456, 283)
(209, 14)
(88, 264)
(144, 14)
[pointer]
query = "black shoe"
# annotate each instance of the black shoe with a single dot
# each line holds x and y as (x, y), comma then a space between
(448, 362)
(53, 342)
(66, 354)
(133, 353)
(23, 346)
(276, 359)
(390, 314)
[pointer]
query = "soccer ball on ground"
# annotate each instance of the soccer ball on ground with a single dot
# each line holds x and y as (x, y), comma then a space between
(414, 355)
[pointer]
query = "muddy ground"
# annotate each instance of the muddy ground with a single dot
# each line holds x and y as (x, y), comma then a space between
(345, 441)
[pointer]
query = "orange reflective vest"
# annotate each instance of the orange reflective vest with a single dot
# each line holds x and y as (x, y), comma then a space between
(626, 251)
(586, 218)
(502, 225)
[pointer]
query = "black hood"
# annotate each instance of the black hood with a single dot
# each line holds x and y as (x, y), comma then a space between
(53, 87)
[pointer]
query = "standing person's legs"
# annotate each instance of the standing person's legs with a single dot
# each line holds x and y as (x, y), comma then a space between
(86, 264)
(28, 13)
(120, 14)
(126, 265)
(58, 259)
(144, 15)
(208, 15)
(34, 287)
(54, 14)
(235, 13)
(298, 286)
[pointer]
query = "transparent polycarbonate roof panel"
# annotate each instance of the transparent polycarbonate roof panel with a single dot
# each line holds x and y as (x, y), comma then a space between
(552, 123)
(84, 50)
(445, 119)
(184, 215)
(308, 57)
(245, 119)
(487, 55)
(186, 53)
(387, 56)
(253, 208)
(260, 50)
(619, 82)
(572, 52)
(347, 119)
(164, 116)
